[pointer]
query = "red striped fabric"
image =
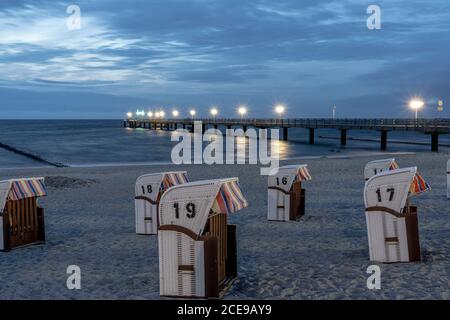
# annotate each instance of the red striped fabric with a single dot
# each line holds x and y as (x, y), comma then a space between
(27, 188)
(303, 175)
(230, 198)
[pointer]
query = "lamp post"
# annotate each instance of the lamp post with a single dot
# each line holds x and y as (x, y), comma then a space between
(334, 112)
(192, 113)
(175, 113)
(214, 112)
(130, 115)
(242, 110)
(280, 109)
(416, 105)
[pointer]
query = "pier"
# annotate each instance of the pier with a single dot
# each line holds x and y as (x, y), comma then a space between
(431, 127)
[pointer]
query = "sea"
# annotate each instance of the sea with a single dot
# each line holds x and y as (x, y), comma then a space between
(87, 143)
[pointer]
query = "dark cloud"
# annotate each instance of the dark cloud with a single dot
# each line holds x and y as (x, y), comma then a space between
(311, 54)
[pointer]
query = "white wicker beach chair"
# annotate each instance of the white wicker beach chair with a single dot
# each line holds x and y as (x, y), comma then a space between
(21, 219)
(148, 190)
(285, 195)
(392, 223)
(378, 166)
(197, 248)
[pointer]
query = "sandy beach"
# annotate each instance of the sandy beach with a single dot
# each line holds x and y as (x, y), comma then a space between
(90, 222)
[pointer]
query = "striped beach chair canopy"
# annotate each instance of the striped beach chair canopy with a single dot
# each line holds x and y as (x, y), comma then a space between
(171, 179)
(377, 166)
(230, 198)
(17, 189)
(287, 175)
(153, 185)
(419, 185)
(189, 205)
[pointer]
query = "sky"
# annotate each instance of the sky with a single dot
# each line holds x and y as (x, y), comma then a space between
(172, 54)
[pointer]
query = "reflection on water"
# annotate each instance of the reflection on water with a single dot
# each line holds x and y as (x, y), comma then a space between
(103, 142)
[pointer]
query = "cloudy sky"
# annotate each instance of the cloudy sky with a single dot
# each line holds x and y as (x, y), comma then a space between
(178, 54)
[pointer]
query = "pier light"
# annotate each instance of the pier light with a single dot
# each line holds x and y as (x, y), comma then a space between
(162, 114)
(150, 114)
(175, 113)
(130, 114)
(192, 113)
(140, 113)
(156, 114)
(242, 110)
(416, 105)
(280, 109)
(214, 112)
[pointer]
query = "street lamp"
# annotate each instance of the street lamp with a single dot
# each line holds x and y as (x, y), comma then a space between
(162, 114)
(192, 113)
(280, 109)
(130, 115)
(334, 112)
(416, 104)
(175, 113)
(150, 114)
(242, 110)
(214, 112)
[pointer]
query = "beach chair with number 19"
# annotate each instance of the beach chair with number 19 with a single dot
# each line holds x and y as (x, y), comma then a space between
(197, 247)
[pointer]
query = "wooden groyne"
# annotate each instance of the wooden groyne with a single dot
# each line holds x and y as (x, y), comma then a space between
(31, 156)
(431, 127)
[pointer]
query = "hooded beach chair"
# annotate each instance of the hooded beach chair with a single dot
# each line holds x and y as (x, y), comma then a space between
(392, 224)
(197, 248)
(448, 179)
(148, 191)
(286, 198)
(21, 219)
(378, 166)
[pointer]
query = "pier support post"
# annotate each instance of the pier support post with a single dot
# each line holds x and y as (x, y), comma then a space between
(311, 135)
(383, 143)
(192, 128)
(203, 128)
(343, 137)
(285, 133)
(435, 142)
(184, 125)
(244, 128)
(124, 124)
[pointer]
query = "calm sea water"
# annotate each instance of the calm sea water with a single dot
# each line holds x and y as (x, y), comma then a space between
(102, 142)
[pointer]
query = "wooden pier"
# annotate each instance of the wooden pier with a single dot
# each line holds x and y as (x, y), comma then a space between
(431, 127)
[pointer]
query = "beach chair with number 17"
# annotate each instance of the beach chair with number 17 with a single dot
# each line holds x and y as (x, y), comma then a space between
(392, 223)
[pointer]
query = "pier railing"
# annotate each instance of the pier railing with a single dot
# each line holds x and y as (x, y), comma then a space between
(433, 127)
(424, 125)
